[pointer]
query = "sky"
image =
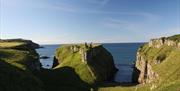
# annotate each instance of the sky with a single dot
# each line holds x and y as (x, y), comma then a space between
(78, 21)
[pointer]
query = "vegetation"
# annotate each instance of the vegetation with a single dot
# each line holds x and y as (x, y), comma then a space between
(62, 79)
(175, 38)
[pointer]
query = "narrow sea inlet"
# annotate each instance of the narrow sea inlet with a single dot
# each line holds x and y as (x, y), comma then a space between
(124, 55)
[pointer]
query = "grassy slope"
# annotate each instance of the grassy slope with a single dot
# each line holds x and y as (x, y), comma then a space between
(14, 72)
(67, 58)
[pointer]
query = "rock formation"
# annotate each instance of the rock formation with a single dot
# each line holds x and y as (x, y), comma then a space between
(92, 63)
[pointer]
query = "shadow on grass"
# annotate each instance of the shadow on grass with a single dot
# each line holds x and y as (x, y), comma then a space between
(62, 79)
(13, 78)
(4, 54)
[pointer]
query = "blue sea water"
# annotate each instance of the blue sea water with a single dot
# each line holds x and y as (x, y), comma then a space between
(124, 55)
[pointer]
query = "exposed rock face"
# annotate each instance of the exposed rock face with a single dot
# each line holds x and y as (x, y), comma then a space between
(92, 62)
(157, 43)
(146, 75)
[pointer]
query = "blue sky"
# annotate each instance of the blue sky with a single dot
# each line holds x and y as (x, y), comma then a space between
(77, 21)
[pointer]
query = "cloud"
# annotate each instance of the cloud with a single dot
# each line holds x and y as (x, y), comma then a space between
(69, 8)
(99, 2)
(65, 7)
(119, 24)
(167, 32)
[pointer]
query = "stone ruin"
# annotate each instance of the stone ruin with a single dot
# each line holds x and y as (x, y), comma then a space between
(86, 51)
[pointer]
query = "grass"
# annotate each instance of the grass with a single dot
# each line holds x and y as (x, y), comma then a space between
(10, 44)
(175, 38)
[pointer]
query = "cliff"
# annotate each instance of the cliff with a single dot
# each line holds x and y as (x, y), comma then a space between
(93, 63)
(158, 63)
(157, 67)
(18, 61)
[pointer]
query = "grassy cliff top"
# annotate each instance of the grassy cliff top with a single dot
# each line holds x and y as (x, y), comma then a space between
(175, 37)
(10, 44)
(18, 44)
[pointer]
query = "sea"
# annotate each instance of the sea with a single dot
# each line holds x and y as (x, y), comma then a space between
(124, 55)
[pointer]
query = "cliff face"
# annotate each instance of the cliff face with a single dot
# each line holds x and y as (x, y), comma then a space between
(146, 75)
(158, 62)
(93, 63)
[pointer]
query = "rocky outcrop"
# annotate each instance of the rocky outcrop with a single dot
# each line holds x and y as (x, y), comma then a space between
(146, 75)
(92, 62)
(157, 43)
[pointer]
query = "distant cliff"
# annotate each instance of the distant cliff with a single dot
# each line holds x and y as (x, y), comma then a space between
(92, 62)
(158, 63)
(19, 44)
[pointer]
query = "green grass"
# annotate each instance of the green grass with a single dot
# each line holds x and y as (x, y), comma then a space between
(10, 44)
(175, 38)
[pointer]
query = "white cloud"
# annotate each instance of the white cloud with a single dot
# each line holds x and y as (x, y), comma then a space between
(99, 2)
(128, 25)
(165, 33)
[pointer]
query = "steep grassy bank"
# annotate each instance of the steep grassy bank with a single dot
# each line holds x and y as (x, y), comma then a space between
(17, 62)
(62, 79)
